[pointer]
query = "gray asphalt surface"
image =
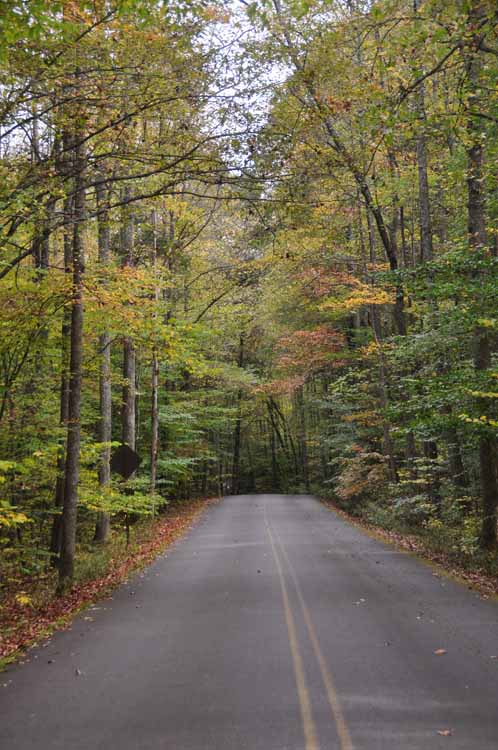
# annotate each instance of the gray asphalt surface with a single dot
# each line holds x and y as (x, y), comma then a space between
(273, 625)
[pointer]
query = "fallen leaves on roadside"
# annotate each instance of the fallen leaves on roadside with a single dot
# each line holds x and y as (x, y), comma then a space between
(445, 732)
(23, 624)
(440, 651)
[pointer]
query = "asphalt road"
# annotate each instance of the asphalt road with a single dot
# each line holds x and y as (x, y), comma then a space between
(273, 625)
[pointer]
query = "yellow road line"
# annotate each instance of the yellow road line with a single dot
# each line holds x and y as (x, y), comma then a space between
(309, 729)
(332, 695)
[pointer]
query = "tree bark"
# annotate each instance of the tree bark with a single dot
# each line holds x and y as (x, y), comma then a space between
(71, 476)
(154, 410)
(274, 464)
(128, 411)
(476, 207)
(56, 535)
(387, 441)
(303, 441)
(102, 526)
(426, 239)
(235, 484)
(154, 441)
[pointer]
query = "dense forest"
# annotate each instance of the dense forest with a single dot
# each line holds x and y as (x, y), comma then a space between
(256, 243)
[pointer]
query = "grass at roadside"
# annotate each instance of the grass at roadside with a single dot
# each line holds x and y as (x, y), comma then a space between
(29, 607)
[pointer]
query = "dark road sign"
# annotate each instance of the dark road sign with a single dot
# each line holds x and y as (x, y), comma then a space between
(124, 461)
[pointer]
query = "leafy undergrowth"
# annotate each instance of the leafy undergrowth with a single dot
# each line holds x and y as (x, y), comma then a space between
(475, 575)
(30, 609)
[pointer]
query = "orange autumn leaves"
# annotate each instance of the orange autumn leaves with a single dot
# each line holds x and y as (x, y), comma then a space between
(335, 294)
(339, 292)
(309, 351)
(304, 353)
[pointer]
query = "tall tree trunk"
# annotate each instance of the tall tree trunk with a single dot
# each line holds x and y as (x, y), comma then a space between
(288, 438)
(274, 464)
(426, 240)
(102, 526)
(220, 466)
(46, 232)
(128, 411)
(238, 428)
(236, 450)
(487, 455)
(387, 441)
(71, 475)
(154, 420)
(477, 242)
(56, 535)
(273, 414)
(303, 438)
(154, 408)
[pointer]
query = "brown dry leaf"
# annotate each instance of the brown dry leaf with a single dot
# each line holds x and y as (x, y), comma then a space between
(440, 651)
(445, 732)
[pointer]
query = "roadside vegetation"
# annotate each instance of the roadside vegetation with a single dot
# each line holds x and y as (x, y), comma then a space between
(31, 608)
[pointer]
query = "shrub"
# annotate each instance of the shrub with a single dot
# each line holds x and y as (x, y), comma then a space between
(414, 510)
(363, 477)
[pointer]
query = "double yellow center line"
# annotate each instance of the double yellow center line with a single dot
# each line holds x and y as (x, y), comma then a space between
(309, 727)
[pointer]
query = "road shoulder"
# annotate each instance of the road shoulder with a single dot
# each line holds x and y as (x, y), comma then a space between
(442, 564)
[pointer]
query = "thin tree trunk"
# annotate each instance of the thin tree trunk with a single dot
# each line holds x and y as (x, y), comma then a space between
(71, 476)
(288, 438)
(236, 452)
(303, 441)
(387, 441)
(102, 526)
(274, 464)
(426, 246)
(154, 442)
(388, 445)
(46, 232)
(56, 535)
(154, 411)
(238, 427)
(426, 240)
(128, 411)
